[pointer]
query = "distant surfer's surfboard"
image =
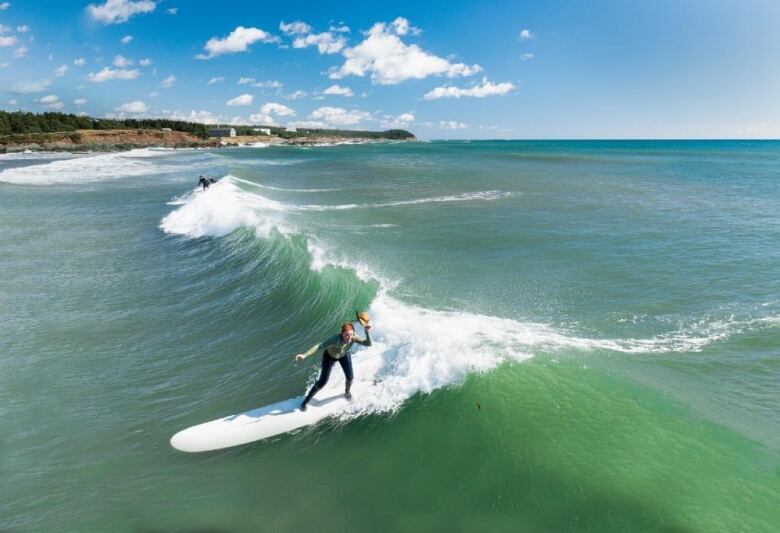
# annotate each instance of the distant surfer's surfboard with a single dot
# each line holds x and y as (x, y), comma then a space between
(264, 422)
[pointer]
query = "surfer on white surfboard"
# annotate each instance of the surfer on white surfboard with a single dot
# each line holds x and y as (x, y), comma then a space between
(336, 349)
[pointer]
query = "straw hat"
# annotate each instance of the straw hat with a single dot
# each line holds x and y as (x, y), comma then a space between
(363, 318)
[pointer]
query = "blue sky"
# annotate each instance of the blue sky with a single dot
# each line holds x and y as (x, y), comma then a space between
(456, 69)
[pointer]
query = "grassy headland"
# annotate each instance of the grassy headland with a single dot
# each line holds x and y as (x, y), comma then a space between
(67, 132)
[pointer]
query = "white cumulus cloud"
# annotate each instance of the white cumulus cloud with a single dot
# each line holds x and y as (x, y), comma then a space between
(172, 10)
(296, 95)
(389, 60)
(202, 117)
(168, 82)
(60, 71)
(294, 28)
(122, 62)
(272, 108)
(136, 106)
(118, 11)
(527, 56)
(272, 84)
(452, 125)
(145, 62)
(51, 102)
(525, 35)
(218, 79)
(239, 40)
(402, 27)
(24, 28)
(270, 112)
(7, 41)
(27, 87)
(80, 62)
(487, 88)
(313, 124)
(401, 121)
(127, 39)
(4, 6)
(113, 74)
(338, 90)
(244, 99)
(338, 116)
(326, 42)
(20, 52)
(262, 118)
(78, 102)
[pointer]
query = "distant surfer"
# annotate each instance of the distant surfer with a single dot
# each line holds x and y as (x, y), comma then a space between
(204, 182)
(337, 349)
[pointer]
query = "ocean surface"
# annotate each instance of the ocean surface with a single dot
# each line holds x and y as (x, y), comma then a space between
(569, 336)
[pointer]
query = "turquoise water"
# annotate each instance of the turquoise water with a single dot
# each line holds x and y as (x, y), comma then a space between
(571, 336)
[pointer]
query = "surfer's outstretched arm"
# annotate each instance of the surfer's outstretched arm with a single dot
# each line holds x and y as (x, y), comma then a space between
(307, 353)
(367, 340)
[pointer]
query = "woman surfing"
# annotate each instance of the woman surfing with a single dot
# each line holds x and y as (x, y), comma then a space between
(337, 349)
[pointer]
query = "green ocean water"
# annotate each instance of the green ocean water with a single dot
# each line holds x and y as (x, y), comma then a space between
(571, 336)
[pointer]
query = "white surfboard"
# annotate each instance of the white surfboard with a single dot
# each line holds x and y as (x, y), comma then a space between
(264, 422)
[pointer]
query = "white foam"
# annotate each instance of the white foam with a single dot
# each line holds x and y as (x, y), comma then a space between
(269, 187)
(323, 256)
(103, 166)
(184, 198)
(341, 143)
(418, 350)
(27, 154)
(693, 336)
(466, 197)
(221, 209)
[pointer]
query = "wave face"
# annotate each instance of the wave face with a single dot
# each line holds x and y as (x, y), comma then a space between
(418, 348)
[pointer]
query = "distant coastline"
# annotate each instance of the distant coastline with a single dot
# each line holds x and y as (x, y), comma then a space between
(59, 132)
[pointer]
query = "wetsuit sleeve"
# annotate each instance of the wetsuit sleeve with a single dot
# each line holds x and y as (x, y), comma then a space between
(313, 349)
(366, 341)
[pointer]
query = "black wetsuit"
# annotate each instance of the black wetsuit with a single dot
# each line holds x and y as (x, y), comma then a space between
(203, 181)
(335, 350)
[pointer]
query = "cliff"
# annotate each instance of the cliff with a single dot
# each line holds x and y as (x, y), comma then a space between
(102, 140)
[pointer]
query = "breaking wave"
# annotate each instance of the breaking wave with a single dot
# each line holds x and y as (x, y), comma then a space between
(409, 356)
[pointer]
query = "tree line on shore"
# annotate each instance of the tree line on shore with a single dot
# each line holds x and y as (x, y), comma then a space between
(20, 122)
(17, 122)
